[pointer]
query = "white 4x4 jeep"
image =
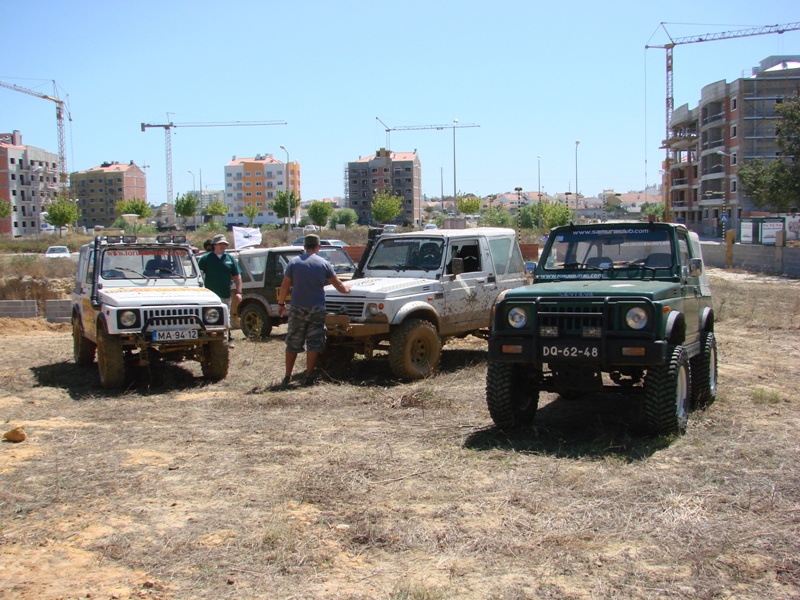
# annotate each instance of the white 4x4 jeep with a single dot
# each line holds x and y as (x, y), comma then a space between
(145, 299)
(412, 291)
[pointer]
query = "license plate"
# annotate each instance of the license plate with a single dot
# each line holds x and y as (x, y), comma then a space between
(570, 351)
(174, 335)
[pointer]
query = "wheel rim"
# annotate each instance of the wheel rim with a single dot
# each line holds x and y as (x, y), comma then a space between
(252, 324)
(682, 395)
(420, 353)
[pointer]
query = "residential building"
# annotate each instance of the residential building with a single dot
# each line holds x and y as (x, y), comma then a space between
(28, 181)
(734, 123)
(97, 191)
(397, 172)
(257, 181)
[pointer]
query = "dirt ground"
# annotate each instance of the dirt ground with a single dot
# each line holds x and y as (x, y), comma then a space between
(371, 488)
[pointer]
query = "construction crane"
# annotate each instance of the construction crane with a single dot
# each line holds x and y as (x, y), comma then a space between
(61, 108)
(696, 39)
(168, 139)
(454, 125)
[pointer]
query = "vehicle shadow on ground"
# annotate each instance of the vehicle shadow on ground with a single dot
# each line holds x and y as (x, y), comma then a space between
(80, 383)
(597, 425)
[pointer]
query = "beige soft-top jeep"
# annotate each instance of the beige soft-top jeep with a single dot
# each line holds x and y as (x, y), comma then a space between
(145, 300)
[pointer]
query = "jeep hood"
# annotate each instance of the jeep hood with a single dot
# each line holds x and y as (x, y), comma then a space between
(385, 287)
(654, 290)
(148, 296)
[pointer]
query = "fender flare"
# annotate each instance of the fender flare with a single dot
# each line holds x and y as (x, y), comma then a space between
(675, 328)
(417, 307)
(707, 319)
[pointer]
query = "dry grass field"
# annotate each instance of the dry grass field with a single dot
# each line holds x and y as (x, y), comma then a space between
(371, 488)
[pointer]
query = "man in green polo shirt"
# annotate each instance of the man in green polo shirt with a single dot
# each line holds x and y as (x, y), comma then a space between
(220, 269)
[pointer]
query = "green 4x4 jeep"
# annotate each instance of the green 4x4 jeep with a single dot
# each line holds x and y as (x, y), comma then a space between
(622, 306)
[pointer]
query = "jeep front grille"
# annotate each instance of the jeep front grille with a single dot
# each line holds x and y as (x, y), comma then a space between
(185, 317)
(572, 318)
(354, 310)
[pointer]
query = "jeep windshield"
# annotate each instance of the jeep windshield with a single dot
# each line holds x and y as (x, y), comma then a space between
(339, 259)
(407, 254)
(148, 263)
(598, 252)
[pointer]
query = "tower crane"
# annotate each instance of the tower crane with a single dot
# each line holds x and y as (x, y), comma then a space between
(454, 125)
(61, 108)
(168, 139)
(696, 39)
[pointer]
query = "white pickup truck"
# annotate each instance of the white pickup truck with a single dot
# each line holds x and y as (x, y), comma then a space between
(145, 300)
(412, 291)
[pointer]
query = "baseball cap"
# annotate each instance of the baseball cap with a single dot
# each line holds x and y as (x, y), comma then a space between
(219, 239)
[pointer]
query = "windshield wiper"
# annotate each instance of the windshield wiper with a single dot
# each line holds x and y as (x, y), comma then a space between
(574, 265)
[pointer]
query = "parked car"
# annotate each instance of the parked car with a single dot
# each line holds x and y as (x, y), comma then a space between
(310, 229)
(390, 228)
(430, 226)
(57, 252)
(262, 274)
(326, 242)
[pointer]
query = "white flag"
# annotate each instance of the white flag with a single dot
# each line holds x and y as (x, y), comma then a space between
(246, 236)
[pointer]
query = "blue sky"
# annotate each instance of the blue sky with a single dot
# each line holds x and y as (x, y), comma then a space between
(535, 76)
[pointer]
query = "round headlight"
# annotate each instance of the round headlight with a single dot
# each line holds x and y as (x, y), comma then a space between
(636, 318)
(372, 309)
(517, 318)
(213, 315)
(127, 318)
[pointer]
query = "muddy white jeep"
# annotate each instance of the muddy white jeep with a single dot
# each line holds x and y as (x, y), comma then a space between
(623, 307)
(145, 300)
(413, 291)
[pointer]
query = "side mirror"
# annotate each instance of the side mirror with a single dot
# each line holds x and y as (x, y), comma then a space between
(695, 267)
(457, 266)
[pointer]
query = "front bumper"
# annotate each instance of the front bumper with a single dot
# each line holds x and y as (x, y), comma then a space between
(606, 353)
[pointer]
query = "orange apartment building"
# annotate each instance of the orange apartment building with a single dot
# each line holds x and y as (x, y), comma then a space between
(257, 181)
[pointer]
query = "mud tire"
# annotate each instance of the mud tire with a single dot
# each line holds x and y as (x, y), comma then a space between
(667, 391)
(215, 361)
(415, 349)
(255, 322)
(336, 359)
(110, 359)
(83, 349)
(510, 397)
(704, 372)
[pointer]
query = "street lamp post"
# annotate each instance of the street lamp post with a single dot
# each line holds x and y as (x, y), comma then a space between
(539, 173)
(577, 143)
(455, 196)
(194, 188)
(288, 197)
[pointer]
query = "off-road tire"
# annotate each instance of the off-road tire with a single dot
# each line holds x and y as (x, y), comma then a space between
(704, 372)
(336, 358)
(215, 361)
(415, 349)
(83, 349)
(667, 391)
(510, 397)
(110, 359)
(255, 322)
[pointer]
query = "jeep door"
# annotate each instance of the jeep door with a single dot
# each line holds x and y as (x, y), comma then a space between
(469, 296)
(692, 293)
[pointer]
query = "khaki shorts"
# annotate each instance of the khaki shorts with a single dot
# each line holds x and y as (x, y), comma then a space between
(306, 329)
